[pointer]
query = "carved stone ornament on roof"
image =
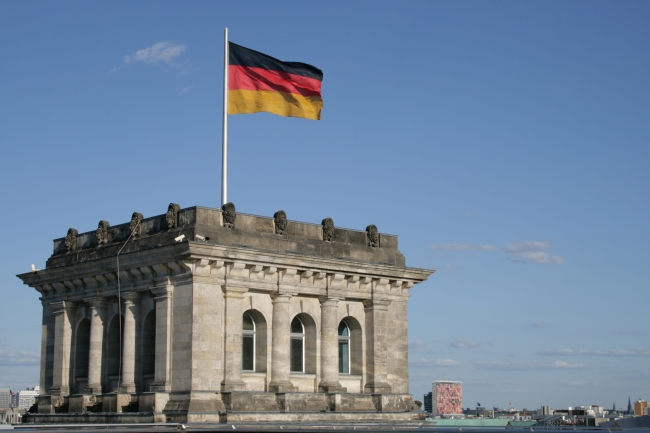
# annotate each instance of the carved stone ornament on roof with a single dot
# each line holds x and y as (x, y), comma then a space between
(136, 224)
(373, 236)
(102, 232)
(280, 219)
(71, 240)
(229, 214)
(172, 215)
(328, 229)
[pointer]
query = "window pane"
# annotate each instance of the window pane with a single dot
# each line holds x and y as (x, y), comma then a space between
(248, 323)
(343, 329)
(296, 326)
(296, 354)
(344, 357)
(247, 350)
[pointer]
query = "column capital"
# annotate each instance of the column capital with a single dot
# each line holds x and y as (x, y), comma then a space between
(131, 297)
(329, 301)
(162, 292)
(233, 291)
(59, 307)
(97, 302)
(376, 304)
(281, 297)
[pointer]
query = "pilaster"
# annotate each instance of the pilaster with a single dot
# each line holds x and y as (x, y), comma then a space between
(64, 312)
(376, 346)
(131, 313)
(97, 324)
(329, 346)
(163, 299)
(233, 297)
(280, 349)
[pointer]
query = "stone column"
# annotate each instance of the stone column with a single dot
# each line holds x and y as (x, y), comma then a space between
(233, 297)
(97, 321)
(47, 346)
(280, 350)
(376, 347)
(329, 351)
(64, 312)
(131, 310)
(163, 299)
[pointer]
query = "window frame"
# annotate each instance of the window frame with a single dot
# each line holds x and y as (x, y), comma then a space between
(248, 332)
(296, 336)
(346, 339)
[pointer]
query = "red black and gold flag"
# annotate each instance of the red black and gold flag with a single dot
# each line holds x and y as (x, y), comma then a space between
(257, 82)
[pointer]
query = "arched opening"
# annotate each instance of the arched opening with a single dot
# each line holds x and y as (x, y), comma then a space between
(344, 348)
(297, 346)
(149, 347)
(254, 341)
(303, 344)
(81, 355)
(352, 342)
(114, 351)
(248, 343)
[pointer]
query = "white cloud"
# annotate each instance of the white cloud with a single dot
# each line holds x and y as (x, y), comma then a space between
(616, 352)
(518, 366)
(11, 357)
(416, 344)
(462, 247)
(186, 89)
(158, 52)
(531, 252)
(462, 343)
(439, 362)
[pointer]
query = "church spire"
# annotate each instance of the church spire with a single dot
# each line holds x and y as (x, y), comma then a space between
(629, 406)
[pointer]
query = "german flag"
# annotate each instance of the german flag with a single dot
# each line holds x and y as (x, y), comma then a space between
(257, 82)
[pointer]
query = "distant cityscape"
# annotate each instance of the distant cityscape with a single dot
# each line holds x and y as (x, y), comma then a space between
(444, 407)
(13, 405)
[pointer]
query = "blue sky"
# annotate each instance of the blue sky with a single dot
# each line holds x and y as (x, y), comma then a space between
(506, 143)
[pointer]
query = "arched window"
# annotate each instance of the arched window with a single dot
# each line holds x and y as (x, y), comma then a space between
(344, 348)
(297, 346)
(248, 343)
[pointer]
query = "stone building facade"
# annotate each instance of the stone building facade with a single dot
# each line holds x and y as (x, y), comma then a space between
(204, 314)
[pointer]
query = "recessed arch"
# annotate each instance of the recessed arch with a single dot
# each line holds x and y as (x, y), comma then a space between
(254, 341)
(309, 343)
(354, 340)
(113, 352)
(81, 355)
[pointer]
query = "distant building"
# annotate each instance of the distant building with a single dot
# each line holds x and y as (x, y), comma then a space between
(5, 398)
(427, 402)
(11, 416)
(639, 407)
(544, 411)
(447, 397)
(26, 398)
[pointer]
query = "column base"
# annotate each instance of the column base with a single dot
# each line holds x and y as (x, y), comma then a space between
(127, 388)
(160, 386)
(60, 390)
(281, 387)
(233, 385)
(94, 388)
(331, 387)
(377, 388)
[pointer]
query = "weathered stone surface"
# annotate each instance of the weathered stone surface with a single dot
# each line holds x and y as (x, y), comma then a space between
(171, 216)
(71, 240)
(102, 232)
(280, 220)
(180, 307)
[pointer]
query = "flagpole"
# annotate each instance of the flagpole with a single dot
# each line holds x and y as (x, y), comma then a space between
(224, 137)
